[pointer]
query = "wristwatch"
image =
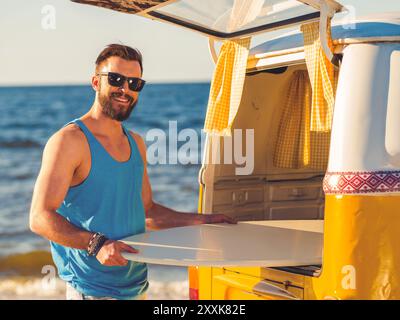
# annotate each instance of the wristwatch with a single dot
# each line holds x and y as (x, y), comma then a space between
(96, 242)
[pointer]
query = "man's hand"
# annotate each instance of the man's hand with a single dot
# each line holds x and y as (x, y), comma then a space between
(110, 253)
(217, 218)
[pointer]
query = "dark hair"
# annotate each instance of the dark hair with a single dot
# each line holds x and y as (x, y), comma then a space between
(119, 50)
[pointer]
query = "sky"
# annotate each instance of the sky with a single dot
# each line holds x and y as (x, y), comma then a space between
(33, 55)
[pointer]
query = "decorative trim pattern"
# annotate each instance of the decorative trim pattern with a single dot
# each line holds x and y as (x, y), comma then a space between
(361, 182)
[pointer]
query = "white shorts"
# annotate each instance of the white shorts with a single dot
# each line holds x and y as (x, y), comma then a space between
(73, 294)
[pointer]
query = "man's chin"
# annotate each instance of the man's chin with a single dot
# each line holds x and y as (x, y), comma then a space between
(122, 116)
(118, 111)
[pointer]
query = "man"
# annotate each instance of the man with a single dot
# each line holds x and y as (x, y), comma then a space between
(93, 189)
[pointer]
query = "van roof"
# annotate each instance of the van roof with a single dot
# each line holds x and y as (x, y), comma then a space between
(376, 27)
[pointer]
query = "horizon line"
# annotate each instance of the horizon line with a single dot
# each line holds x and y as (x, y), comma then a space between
(81, 84)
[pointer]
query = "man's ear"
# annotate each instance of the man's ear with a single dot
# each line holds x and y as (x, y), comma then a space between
(96, 83)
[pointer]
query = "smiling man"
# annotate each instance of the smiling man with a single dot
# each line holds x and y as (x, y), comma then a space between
(93, 189)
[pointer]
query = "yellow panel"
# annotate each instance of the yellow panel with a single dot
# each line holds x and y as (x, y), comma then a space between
(200, 202)
(236, 294)
(204, 273)
(204, 283)
(251, 271)
(361, 255)
(309, 293)
(229, 285)
(271, 274)
(233, 288)
(216, 290)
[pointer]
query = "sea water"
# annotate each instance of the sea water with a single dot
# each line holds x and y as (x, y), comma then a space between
(30, 115)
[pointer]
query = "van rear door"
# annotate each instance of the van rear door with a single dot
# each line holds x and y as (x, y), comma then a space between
(224, 19)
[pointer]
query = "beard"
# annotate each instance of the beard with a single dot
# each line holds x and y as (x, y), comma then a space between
(113, 109)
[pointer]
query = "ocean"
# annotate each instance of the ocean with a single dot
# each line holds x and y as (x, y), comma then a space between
(29, 116)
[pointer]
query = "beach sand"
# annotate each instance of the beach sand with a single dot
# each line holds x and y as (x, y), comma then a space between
(28, 288)
(32, 276)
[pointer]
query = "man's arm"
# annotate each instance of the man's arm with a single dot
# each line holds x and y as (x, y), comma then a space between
(61, 157)
(160, 217)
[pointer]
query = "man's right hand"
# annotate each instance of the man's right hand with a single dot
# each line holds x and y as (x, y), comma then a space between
(110, 253)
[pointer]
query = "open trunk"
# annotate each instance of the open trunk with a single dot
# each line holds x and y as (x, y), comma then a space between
(223, 19)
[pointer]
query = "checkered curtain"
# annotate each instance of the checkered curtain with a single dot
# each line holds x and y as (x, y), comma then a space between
(305, 126)
(227, 86)
(322, 77)
(292, 148)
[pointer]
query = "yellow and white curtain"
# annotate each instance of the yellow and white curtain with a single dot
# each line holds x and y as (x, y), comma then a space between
(227, 86)
(228, 79)
(322, 77)
(293, 145)
(305, 125)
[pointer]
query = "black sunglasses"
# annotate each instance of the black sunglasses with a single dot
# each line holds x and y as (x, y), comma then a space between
(118, 80)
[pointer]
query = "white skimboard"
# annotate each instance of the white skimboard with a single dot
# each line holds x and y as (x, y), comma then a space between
(257, 243)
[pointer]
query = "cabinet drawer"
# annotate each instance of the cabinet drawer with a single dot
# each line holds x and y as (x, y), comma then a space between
(293, 193)
(238, 197)
(294, 212)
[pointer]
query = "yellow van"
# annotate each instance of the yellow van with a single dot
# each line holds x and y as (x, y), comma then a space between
(337, 173)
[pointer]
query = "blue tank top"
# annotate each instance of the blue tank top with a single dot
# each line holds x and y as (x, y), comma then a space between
(109, 201)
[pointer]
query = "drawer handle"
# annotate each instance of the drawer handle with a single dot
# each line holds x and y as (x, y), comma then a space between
(297, 193)
(265, 288)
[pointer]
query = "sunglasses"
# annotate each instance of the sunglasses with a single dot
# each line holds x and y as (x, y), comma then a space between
(118, 80)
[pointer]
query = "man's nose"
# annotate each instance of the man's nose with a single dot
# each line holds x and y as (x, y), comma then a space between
(124, 88)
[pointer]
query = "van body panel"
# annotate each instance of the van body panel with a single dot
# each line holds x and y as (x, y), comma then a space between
(361, 259)
(362, 30)
(366, 97)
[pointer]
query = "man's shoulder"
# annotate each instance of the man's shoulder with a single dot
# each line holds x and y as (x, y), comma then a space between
(69, 137)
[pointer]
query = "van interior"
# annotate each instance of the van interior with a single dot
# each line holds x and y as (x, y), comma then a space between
(270, 192)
